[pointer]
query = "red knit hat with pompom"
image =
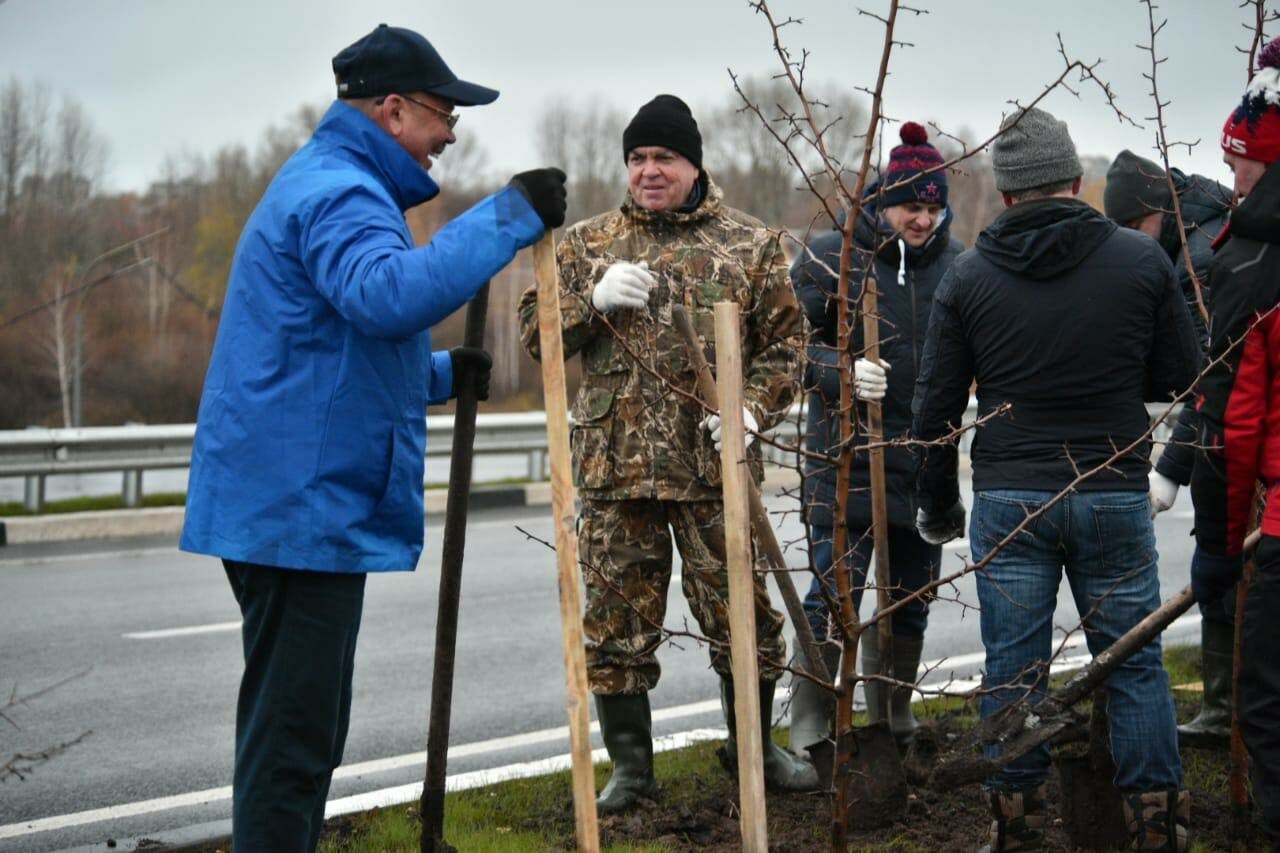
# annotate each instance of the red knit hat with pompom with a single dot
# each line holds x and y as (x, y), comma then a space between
(914, 156)
(1252, 130)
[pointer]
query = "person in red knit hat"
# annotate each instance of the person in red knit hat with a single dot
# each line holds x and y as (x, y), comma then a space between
(902, 241)
(1239, 432)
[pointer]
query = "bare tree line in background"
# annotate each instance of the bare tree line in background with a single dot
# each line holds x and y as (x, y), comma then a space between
(109, 302)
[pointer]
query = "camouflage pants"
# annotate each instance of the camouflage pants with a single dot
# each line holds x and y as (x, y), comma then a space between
(625, 548)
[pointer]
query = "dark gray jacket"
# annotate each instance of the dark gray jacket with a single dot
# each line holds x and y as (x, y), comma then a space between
(903, 307)
(1205, 205)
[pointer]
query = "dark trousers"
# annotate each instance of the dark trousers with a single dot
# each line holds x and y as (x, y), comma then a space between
(299, 635)
(1260, 681)
(913, 563)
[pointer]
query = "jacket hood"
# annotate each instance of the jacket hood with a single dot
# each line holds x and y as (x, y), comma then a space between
(1258, 216)
(1043, 238)
(872, 231)
(357, 139)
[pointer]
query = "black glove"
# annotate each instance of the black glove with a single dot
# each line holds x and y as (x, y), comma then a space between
(938, 528)
(544, 189)
(471, 366)
(1213, 575)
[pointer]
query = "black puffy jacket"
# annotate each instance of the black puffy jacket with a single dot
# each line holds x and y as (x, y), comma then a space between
(904, 298)
(1073, 322)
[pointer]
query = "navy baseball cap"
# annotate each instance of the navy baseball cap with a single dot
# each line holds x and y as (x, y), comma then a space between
(393, 60)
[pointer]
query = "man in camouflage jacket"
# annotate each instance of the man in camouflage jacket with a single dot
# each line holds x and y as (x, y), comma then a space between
(645, 453)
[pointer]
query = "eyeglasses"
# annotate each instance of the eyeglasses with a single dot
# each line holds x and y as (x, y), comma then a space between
(450, 119)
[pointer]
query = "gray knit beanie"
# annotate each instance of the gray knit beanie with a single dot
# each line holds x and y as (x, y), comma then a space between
(1034, 152)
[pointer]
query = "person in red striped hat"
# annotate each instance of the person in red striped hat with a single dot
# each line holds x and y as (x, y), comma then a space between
(1239, 434)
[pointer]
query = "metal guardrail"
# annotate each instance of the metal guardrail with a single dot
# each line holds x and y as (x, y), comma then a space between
(37, 453)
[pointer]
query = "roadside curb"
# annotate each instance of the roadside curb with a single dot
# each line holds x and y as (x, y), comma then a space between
(167, 521)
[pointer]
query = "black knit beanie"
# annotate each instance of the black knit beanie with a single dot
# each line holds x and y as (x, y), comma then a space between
(667, 122)
(1136, 187)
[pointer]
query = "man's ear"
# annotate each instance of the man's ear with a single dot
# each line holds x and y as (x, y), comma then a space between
(391, 114)
(1007, 199)
(1075, 187)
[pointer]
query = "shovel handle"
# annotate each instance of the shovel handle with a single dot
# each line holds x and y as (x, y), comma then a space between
(454, 542)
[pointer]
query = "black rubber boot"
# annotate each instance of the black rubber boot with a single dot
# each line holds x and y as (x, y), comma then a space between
(782, 770)
(812, 707)
(627, 729)
(906, 665)
(1159, 820)
(1212, 726)
(1018, 820)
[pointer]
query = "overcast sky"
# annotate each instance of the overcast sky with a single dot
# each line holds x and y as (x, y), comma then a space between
(168, 77)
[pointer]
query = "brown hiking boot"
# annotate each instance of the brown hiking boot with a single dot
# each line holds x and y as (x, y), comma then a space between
(1158, 820)
(1020, 818)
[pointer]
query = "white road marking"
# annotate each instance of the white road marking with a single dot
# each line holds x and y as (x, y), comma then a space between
(479, 778)
(212, 628)
(457, 782)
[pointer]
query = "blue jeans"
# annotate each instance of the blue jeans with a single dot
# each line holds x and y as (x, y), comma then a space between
(1106, 544)
(913, 563)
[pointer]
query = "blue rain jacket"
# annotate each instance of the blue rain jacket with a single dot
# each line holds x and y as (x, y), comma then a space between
(311, 435)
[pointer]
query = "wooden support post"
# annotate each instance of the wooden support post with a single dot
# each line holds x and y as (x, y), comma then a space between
(742, 608)
(562, 506)
(761, 526)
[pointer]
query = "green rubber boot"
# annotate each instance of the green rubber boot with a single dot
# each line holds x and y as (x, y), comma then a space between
(626, 727)
(782, 770)
(1212, 726)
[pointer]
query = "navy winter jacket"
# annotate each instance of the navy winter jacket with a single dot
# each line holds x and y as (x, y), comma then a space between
(904, 297)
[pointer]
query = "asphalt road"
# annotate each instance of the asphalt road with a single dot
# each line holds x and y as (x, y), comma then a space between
(148, 638)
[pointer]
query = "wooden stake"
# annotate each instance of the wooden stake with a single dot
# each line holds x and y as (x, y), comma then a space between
(742, 606)
(879, 511)
(562, 506)
(760, 524)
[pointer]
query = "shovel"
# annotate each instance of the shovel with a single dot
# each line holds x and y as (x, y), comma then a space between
(453, 544)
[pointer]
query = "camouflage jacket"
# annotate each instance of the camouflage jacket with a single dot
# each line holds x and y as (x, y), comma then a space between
(634, 437)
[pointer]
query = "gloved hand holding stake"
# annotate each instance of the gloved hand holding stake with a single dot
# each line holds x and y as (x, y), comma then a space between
(711, 423)
(870, 380)
(938, 528)
(1162, 492)
(623, 285)
(471, 366)
(545, 192)
(1213, 575)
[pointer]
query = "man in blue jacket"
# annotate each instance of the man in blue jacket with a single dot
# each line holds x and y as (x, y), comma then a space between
(308, 461)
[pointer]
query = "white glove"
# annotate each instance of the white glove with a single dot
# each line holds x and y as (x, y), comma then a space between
(870, 379)
(712, 424)
(623, 285)
(1162, 492)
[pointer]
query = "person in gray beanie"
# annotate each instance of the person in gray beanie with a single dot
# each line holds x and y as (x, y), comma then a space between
(1055, 313)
